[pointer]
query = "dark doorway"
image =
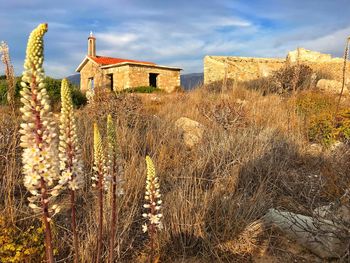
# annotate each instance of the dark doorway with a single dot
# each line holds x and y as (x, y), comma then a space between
(153, 79)
(110, 77)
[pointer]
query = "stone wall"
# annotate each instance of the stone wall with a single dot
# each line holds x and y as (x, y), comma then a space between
(90, 70)
(217, 68)
(129, 76)
(121, 77)
(168, 79)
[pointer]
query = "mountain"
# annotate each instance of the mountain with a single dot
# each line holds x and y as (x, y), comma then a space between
(74, 79)
(191, 81)
(188, 81)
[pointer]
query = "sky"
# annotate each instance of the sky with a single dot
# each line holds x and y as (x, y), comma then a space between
(174, 33)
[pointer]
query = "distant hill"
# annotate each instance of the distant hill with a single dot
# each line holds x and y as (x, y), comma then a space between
(74, 79)
(188, 81)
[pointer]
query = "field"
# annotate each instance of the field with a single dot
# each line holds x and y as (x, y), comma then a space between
(255, 154)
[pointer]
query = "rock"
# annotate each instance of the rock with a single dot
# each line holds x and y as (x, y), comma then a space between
(192, 131)
(320, 236)
(328, 85)
(334, 212)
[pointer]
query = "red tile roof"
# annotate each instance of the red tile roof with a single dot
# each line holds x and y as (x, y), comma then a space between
(110, 61)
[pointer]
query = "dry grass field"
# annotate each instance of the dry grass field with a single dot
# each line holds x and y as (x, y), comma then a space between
(255, 154)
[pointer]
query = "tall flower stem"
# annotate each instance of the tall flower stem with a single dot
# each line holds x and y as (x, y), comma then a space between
(112, 171)
(153, 204)
(346, 53)
(100, 218)
(100, 169)
(38, 135)
(46, 222)
(70, 159)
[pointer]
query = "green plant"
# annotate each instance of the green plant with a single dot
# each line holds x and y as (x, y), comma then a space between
(17, 245)
(310, 103)
(321, 129)
(3, 92)
(142, 89)
(79, 99)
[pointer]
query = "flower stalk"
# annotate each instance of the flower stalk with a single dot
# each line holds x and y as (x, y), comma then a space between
(153, 206)
(38, 137)
(100, 170)
(115, 181)
(70, 156)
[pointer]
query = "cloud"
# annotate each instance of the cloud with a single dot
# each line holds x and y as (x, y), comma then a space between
(175, 33)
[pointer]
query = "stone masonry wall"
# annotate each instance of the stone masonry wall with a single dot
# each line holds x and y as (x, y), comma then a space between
(168, 79)
(216, 68)
(88, 71)
(129, 76)
(121, 77)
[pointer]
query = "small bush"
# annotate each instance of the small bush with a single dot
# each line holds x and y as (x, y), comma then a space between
(142, 89)
(220, 86)
(289, 78)
(321, 129)
(79, 98)
(3, 92)
(321, 124)
(21, 246)
(314, 103)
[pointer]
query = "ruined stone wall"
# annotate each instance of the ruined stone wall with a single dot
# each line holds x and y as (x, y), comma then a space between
(216, 68)
(168, 79)
(330, 70)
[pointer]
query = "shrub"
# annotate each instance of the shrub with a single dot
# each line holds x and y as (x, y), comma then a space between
(79, 98)
(321, 129)
(53, 87)
(21, 246)
(311, 103)
(142, 89)
(322, 126)
(3, 92)
(289, 78)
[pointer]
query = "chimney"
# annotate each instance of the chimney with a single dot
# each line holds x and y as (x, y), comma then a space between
(91, 45)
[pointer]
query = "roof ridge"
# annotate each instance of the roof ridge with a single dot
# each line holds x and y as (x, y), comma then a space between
(103, 60)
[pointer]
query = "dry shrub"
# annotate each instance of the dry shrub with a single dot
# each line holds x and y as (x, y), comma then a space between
(227, 114)
(291, 78)
(287, 79)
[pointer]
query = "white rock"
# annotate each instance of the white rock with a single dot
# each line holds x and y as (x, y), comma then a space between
(192, 131)
(329, 85)
(318, 235)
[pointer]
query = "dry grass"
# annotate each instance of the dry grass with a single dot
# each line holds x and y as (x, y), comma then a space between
(254, 156)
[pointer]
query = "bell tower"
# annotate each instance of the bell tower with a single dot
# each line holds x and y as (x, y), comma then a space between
(91, 45)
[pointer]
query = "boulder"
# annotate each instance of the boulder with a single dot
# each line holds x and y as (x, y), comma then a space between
(192, 131)
(329, 85)
(322, 237)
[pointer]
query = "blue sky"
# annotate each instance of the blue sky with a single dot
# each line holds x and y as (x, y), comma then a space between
(175, 33)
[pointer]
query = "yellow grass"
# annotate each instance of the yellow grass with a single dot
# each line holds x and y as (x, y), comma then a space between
(254, 156)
